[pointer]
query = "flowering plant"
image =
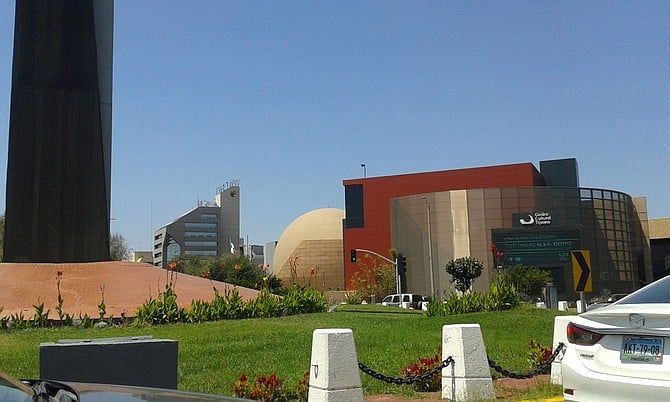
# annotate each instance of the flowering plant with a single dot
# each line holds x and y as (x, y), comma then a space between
(538, 354)
(271, 388)
(430, 384)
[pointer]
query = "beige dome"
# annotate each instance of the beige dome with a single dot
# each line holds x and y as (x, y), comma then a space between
(315, 238)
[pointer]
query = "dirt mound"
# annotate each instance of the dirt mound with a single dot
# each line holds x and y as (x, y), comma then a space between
(126, 285)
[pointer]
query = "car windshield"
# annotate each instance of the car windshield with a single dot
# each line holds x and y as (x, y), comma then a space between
(13, 390)
(657, 292)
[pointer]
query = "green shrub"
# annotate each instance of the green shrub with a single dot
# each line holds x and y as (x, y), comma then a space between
(164, 309)
(502, 296)
(299, 300)
(528, 280)
(354, 297)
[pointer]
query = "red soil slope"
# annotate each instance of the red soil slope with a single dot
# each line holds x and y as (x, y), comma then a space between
(126, 286)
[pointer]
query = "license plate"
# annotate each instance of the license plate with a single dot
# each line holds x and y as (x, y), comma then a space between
(642, 350)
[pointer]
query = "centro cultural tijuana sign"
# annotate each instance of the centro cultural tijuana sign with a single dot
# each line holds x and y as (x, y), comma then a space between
(531, 219)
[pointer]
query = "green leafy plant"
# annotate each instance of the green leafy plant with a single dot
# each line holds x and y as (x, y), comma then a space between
(353, 297)
(302, 300)
(528, 280)
(502, 296)
(18, 321)
(102, 308)
(41, 317)
(464, 271)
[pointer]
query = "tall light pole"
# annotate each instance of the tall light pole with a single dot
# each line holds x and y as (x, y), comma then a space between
(365, 173)
(430, 248)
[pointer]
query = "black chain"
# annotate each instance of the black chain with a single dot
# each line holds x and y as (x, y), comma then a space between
(541, 368)
(407, 380)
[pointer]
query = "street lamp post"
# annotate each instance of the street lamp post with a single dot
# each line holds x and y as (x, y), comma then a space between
(430, 248)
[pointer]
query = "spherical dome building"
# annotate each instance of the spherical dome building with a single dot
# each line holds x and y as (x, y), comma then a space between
(309, 251)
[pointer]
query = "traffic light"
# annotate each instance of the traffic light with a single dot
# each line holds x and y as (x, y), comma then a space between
(353, 255)
(402, 263)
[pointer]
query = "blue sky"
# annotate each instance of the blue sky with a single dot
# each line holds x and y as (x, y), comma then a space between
(291, 97)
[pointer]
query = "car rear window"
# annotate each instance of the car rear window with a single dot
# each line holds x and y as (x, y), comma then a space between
(657, 292)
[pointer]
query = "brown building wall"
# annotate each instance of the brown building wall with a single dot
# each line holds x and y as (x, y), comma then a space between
(325, 256)
(378, 191)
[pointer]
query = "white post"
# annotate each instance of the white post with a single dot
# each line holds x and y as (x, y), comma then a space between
(560, 335)
(333, 375)
(469, 377)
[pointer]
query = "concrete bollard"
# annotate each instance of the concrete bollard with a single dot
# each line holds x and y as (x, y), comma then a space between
(560, 335)
(469, 377)
(333, 375)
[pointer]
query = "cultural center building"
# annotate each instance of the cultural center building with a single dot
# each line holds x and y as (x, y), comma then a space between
(528, 216)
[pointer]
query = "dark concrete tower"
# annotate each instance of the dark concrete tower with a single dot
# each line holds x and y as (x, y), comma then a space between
(60, 132)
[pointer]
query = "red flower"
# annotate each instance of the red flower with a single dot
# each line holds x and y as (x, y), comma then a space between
(243, 378)
(494, 248)
(173, 265)
(312, 271)
(207, 275)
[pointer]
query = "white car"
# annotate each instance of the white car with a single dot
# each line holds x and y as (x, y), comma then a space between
(621, 352)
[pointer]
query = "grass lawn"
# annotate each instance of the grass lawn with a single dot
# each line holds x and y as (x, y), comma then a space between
(213, 355)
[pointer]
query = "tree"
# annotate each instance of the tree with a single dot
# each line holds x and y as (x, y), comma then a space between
(234, 269)
(528, 280)
(374, 278)
(118, 247)
(464, 271)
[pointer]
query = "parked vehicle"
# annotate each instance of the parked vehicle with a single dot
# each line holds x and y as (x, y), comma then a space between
(611, 299)
(405, 300)
(51, 391)
(621, 352)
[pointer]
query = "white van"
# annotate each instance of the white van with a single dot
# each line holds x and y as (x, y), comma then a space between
(405, 300)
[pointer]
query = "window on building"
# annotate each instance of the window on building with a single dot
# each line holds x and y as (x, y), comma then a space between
(199, 225)
(209, 217)
(207, 253)
(353, 199)
(200, 243)
(200, 234)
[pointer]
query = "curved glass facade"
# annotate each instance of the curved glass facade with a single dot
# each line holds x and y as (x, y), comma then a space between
(534, 226)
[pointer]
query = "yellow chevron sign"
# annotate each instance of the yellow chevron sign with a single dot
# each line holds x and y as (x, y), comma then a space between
(581, 270)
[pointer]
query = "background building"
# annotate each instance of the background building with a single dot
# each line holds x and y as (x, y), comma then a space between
(533, 218)
(659, 239)
(208, 230)
(313, 240)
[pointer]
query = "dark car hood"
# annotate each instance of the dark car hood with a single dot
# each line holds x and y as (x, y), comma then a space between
(121, 393)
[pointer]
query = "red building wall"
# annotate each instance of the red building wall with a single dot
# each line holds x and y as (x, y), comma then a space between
(378, 191)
